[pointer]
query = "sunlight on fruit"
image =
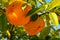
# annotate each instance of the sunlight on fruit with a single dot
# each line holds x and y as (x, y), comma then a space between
(14, 14)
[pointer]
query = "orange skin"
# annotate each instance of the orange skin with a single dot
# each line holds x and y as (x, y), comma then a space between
(32, 28)
(16, 15)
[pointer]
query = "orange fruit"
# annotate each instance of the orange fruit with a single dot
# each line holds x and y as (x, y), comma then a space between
(33, 27)
(16, 15)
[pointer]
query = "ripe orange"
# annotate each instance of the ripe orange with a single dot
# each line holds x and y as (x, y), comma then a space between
(16, 15)
(32, 28)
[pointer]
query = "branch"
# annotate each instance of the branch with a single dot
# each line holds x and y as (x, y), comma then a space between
(11, 32)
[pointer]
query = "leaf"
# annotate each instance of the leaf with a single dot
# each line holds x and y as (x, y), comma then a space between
(8, 33)
(54, 18)
(32, 2)
(34, 38)
(0, 1)
(53, 4)
(11, 1)
(34, 17)
(32, 11)
(41, 1)
(36, 10)
(56, 39)
(5, 1)
(57, 32)
(3, 23)
(44, 32)
(40, 9)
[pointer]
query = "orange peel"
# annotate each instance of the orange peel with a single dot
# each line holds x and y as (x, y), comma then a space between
(16, 15)
(32, 28)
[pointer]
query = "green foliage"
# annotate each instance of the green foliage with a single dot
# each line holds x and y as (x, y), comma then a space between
(34, 17)
(31, 12)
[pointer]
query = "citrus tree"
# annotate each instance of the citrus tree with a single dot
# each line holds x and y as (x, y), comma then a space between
(29, 19)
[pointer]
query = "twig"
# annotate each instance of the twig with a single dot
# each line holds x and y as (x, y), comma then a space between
(11, 32)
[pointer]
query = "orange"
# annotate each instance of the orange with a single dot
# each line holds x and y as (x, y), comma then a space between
(32, 28)
(16, 15)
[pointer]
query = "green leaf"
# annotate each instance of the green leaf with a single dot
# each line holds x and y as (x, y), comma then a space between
(45, 32)
(53, 4)
(3, 22)
(34, 38)
(4, 1)
(33, 3)
(34, 17)
(41, 1)
(56, 39)
(40, 9)
(32, 11)
(54, 18)
(47, 37)
(57, 32)
(36, 10)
